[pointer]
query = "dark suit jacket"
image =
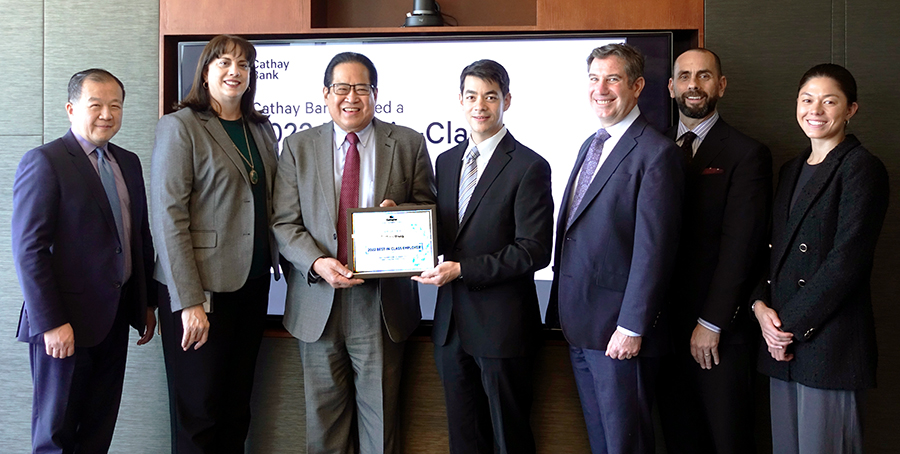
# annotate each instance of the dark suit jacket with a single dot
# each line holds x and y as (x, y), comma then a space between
(505, 236)
(820, 266)
(613, 263)
(727, 202)
(66, 248)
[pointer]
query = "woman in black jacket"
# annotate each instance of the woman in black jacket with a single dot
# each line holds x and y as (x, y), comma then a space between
(815, 306)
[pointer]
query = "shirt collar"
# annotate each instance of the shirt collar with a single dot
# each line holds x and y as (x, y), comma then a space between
(701, 130)
(340, 136)
(487, 146)
(618, 130)
(89, 147)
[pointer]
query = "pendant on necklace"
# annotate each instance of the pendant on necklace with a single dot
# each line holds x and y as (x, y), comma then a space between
(254, 177)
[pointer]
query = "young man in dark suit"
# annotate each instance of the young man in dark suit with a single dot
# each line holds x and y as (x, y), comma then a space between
(706, 398)
(82, 248)
(495, 221)
(616, 240)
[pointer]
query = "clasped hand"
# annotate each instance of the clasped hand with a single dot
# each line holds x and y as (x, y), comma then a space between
(777, 340)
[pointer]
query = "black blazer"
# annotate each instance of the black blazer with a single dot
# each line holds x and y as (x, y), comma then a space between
(820, 266)
(505, 236)
(727, 203)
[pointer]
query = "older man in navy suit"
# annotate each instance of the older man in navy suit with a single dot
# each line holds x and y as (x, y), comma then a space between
(82, 248)
(616, 240)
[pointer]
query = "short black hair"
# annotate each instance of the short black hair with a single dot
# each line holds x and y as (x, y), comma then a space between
(351, 57)
(838, 73)
(488, 70)
(630, 55)
(94, 74)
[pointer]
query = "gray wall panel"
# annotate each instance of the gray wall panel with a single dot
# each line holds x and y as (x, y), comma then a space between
(21, 32)
(873, 56)
(124, 40)
(765, 48)
(15, 375)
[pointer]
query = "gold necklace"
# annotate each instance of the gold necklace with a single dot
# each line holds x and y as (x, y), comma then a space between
(254, 177)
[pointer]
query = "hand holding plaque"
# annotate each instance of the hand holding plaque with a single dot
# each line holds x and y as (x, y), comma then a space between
(392, 241)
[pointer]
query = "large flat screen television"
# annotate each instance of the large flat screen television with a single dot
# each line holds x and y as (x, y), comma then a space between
(418, 87)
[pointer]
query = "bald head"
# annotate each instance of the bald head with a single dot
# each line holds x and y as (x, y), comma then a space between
(696, 85)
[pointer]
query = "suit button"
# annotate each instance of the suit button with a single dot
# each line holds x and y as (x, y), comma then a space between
(801, 282)
(117, 284)
(770, 245)
(803, 247)
(118, 250)
(769, 281)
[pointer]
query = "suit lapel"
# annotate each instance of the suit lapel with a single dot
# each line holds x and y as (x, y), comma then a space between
(626, 143)
(91, 178)
(448, 188)
(212, 124)
(809, 193)
(269, 159)
(712, 145)
(383, 147)
(499, 159)
(324, 156)
(566, 198)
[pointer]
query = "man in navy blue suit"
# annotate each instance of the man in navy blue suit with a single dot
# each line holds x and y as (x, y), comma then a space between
(616, 240)
(83, 253)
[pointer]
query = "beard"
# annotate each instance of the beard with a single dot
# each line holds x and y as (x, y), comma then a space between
(699, 111)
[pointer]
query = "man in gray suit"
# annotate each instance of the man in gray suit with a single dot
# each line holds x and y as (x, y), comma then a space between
(351, 331)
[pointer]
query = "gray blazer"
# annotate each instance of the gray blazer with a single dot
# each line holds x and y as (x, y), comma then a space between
(200, 205)
(305, 221)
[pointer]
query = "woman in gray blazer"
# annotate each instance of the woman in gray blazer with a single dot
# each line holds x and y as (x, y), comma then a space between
(212, 172)
(815, 306)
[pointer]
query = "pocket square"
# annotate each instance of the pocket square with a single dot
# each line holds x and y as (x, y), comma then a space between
(712, 171)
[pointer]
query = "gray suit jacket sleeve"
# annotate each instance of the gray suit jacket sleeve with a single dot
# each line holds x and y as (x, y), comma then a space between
(171, 183)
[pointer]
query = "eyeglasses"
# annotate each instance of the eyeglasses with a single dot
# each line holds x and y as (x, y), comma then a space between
(344, 89)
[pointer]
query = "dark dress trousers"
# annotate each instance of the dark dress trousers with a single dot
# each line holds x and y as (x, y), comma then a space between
(728, 193)
(612, 266)
(487, 324)
(66, 250)
(211, 226)
(820, 267)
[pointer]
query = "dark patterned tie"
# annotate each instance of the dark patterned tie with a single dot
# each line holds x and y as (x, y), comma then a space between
(349, 193)
(587, 171)
(467, 181)
(687, 146)
(108, 178)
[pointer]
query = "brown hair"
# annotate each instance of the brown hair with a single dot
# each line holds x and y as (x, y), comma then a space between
(631, 57)
(198, 98)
